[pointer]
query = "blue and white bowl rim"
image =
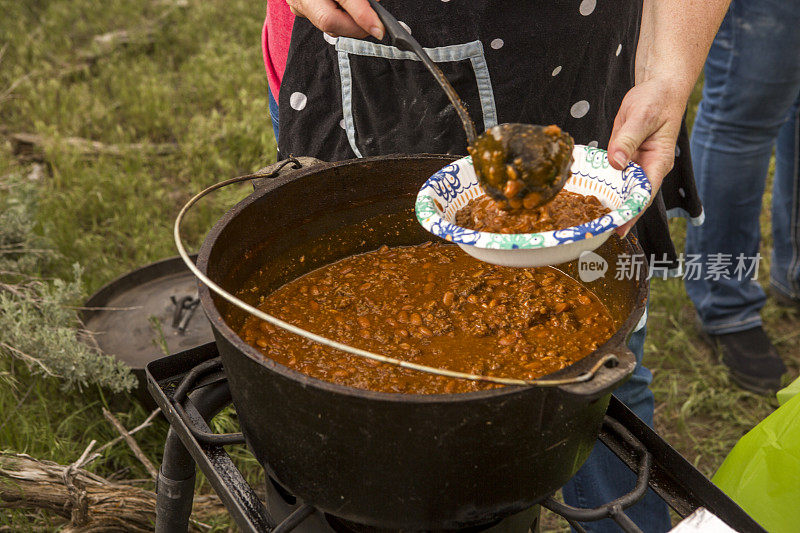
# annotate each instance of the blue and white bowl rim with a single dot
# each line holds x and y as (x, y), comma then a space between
(628, 191)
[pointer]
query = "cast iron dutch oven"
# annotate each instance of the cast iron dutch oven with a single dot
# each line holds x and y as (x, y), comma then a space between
(393, 460)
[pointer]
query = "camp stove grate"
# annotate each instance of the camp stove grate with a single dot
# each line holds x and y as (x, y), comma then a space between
(191, 387)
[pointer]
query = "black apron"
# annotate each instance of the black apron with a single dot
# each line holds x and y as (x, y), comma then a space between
(538, 61)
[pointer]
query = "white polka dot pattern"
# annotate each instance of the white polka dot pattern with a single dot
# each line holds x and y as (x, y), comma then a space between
(497, 44)
(298, 101)
(579, 109)
(587, 7)
(619, 50)
(341, 123)
(556, 71)
(593, 144)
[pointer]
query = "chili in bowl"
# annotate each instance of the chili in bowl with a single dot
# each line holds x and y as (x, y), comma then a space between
(452, 205)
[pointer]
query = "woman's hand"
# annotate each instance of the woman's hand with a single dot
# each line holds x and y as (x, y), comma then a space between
(645, 131)
(674, 39)
(347, 18)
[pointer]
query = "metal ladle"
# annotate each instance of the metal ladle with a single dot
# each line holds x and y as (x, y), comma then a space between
(523, 165)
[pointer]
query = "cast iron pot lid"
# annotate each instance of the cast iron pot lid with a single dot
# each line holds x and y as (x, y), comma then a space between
(132, 317)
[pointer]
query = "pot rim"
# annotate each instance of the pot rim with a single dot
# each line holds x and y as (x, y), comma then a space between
(614, 344)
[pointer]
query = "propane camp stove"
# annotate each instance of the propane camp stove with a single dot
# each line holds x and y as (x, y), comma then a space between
(191, 387)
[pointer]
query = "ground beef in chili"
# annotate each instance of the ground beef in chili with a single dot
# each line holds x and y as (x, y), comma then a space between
(434, 305)
(567, 209)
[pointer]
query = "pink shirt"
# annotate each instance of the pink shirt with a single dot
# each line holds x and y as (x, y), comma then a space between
(275, 38)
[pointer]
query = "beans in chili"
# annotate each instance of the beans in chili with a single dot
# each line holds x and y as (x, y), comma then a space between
(434, 305)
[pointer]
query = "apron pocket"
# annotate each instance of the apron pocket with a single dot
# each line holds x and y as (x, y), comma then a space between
(392, 104)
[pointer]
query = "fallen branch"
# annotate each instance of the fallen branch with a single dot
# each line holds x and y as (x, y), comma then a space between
(31, 146)
(147, 422)
(134, 446)
(27, 483)
(80, 505)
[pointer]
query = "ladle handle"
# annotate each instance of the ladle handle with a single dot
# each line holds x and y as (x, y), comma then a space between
(403, 40)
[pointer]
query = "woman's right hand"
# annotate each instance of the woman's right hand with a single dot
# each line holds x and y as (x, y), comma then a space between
(346, 18)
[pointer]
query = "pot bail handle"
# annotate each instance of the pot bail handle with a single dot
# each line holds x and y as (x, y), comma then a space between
(281, 169)
(581, 381)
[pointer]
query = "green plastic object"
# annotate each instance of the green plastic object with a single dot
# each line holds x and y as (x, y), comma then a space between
(786, 394)
(762, 472)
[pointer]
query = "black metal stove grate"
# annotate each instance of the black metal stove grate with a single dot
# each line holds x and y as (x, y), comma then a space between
(190, 387)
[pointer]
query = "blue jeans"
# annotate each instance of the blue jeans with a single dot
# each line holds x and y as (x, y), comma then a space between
(750, 99)
(273, 114)
(604, 477)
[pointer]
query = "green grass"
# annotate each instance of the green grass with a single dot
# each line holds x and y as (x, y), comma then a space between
(193, 76)
(200, 83)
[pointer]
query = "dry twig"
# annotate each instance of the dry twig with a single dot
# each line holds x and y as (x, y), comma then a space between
(27, 358)
(134, 446)
(147, 422)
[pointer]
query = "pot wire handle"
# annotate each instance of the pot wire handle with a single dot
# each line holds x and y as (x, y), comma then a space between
(607, 360)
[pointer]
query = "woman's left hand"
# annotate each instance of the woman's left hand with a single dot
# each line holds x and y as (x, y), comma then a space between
(645, 131)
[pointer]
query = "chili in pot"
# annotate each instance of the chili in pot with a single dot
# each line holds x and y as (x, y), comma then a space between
(433, 305)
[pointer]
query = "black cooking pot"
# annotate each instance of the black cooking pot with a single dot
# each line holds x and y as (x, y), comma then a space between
(393, 460)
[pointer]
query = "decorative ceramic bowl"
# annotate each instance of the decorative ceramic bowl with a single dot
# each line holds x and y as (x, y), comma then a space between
(625, 192)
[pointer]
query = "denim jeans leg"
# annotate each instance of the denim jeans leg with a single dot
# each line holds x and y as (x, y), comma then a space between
(604, 477)
(785, 264)
(752, 78)
(273, 114)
